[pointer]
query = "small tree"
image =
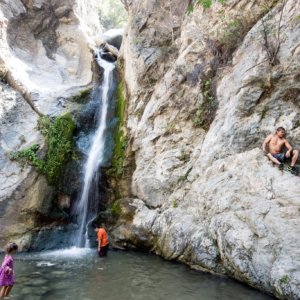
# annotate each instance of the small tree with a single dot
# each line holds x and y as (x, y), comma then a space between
(112, 14)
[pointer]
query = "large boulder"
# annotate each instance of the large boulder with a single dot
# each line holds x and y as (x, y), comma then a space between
(114, 37)
(203, 92)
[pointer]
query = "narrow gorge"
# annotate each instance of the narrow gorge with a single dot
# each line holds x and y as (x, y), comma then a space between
(159, 138)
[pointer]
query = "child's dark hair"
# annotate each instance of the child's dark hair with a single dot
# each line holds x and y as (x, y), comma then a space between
(280, 129)
(11, 247)
(98, 225)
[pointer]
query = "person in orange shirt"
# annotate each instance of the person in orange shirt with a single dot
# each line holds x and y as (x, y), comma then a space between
(103, 242)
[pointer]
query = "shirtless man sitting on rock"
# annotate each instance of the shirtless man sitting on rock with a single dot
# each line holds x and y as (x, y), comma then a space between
(276, 143)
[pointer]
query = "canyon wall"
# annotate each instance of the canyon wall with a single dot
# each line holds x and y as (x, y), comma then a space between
(46, 57)
(203, 90)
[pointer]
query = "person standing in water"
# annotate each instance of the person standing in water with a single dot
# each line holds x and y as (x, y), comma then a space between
(7, 279)
(102, 239)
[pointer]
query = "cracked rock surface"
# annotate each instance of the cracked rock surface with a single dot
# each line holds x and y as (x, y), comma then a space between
(206, 195)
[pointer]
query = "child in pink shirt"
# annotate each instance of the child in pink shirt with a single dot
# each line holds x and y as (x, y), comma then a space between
(7, 270)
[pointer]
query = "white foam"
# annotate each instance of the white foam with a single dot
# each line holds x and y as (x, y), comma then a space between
(45, 264)
(73, 252)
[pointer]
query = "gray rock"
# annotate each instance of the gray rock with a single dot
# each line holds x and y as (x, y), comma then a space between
(114, 37)
(45, 55)
(208, 197)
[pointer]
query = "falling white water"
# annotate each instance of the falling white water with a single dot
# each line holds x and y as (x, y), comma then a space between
(95, 156)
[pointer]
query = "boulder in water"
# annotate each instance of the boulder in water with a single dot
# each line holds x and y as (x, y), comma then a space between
(114, 37)
(108, 56)
(109, 52)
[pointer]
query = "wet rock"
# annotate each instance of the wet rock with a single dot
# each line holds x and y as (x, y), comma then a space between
(114, 37)
(109, 53)
(45, 58)
(64, 202)
(49, 238)
(108, 56)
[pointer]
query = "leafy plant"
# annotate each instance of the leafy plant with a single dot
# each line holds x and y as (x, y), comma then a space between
(184, 177)
(112, 14)
(82, 96)
(182, 157)
(59, 139)
(204, 3)
(284, 279)
(58, 135)
(120, 139)
(233, 33)
(170, 127)
(174, 203)
(206, 110)
(29, 155)
(116, 208)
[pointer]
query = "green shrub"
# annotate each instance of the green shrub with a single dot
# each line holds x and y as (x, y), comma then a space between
(206, 110)
(116, 208)
(183, 156)
(231, 35)
(170, 127)
(284, 279)
(204, 3)
(184, 177)
(112, 14)
(29, 155)
(58, 135)
(174, 203)
(82, 97)
(120, 139)
(59, 139)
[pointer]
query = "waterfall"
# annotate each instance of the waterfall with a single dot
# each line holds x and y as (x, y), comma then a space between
(96, 156)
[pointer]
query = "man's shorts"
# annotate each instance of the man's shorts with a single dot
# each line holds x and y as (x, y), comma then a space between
(279, 156)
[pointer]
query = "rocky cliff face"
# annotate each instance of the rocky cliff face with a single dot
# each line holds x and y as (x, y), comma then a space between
(45, 58)
(203, 91)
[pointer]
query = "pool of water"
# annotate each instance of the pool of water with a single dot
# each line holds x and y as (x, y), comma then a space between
(80, 274)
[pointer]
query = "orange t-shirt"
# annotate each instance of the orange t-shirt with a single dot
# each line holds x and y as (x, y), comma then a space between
(102, 235)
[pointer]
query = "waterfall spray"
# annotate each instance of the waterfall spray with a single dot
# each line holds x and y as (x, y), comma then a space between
(95, 156)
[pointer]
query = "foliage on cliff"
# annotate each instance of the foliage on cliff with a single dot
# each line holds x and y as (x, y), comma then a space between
(205, 3)
(206, 110)
(112, 14)
(120, 139)
(58, 135)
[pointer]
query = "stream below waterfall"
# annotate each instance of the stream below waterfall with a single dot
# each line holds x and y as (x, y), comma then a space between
(78, 274)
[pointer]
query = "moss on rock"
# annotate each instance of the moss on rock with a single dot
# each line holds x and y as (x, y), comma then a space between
(116, 209)
(58, 135)
(82, 97)
(120, 139)
(206, 111)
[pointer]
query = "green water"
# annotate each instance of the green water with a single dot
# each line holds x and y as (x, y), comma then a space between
(80, 274)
